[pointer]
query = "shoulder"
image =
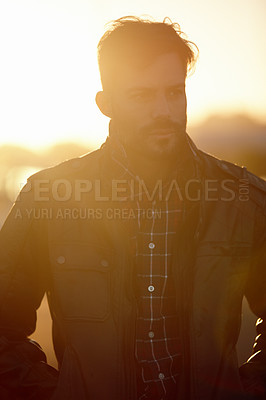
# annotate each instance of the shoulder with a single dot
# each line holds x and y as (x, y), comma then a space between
(70, 169)
(221, 169)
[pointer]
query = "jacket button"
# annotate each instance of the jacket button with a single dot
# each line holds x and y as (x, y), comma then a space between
(61, 260)
(104, 263)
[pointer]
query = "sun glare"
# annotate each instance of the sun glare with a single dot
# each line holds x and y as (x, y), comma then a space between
(50, 75)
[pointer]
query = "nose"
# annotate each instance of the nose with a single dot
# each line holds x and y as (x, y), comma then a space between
(160, 107)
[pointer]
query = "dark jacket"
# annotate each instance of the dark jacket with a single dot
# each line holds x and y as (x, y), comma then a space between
(61, 238)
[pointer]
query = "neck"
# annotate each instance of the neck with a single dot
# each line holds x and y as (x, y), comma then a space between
(148, 169)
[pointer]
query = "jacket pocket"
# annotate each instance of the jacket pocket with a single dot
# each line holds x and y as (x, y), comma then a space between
(82, 279)
(233, 257)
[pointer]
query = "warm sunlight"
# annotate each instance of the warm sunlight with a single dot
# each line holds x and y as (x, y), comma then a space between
(198, 255)
(50, 75)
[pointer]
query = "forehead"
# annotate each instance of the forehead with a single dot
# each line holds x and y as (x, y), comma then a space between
(165, 70)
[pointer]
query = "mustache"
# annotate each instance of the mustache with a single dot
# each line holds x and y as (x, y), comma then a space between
(163, 124)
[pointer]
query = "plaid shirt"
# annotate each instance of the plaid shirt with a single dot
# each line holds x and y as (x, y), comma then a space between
(157, 341)
(157, 346)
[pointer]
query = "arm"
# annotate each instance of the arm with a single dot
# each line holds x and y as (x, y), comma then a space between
(24, 373)
(253, 372)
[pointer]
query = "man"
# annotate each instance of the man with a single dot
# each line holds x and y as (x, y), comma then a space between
(144, 247)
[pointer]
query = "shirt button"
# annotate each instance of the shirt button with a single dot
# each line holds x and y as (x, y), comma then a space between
(151, 334)
(61, 259)
(104, 263)
(161, 375)
(151, 245)
(151, 288)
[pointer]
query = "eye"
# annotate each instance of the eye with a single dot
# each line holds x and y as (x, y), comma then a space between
(141, 96)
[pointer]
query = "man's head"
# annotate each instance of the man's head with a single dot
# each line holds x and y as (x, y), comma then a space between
(143, 66)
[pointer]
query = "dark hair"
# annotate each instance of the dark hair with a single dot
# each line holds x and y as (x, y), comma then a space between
(136, 41)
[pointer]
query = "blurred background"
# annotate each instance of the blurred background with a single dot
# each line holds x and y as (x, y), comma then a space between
(49, 78)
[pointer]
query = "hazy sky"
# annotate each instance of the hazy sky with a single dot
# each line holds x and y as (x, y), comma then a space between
(49, 73)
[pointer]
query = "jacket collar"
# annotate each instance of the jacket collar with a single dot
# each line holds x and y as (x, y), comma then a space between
(115, 162)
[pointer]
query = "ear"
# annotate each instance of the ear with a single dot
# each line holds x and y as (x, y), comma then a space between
(103, 102)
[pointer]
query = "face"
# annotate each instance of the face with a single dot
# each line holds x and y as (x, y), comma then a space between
(149, 107)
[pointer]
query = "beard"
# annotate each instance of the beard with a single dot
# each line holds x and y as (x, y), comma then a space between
(163, 139)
